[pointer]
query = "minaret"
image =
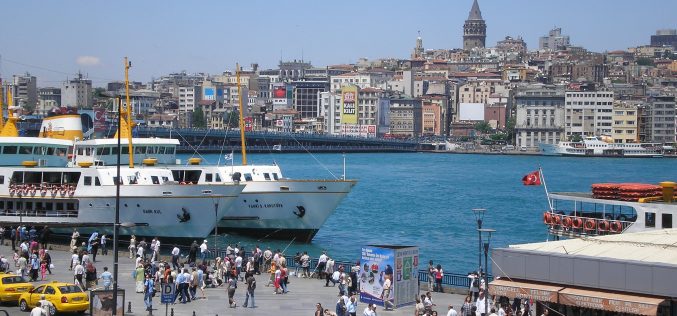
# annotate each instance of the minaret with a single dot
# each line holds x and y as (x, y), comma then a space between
(474, 29)
(418, 51)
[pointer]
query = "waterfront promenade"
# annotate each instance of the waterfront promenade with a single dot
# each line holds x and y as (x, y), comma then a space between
(301, 299)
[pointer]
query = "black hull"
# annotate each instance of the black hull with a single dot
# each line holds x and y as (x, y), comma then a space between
(298, 235)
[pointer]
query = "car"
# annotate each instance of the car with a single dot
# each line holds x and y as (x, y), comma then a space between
(509, 147)
(12, 286)
(523, 148)
(65, 297)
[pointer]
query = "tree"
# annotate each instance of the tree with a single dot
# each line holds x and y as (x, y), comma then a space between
(232, 119)
(199, 118)
(575, 138)
(483, 127)
(644, 61)
(510, 129)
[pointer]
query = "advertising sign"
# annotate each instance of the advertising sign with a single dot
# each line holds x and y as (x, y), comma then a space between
(209, 94)
(406, 276)
(383, 118)
(399, 264)
(248, 124)
(102, 303)
(349, 105)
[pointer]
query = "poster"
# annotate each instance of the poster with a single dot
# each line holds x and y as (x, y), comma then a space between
(406, 276)
(102, 303)
(375, 263)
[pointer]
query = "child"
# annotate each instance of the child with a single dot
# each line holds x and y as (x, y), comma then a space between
(43, 269)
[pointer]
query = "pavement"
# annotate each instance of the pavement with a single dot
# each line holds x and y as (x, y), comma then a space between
(303, 294)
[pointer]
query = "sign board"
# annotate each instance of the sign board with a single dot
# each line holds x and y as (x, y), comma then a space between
(349, 105)
(102, 302)
(167, 293)
(397, 263)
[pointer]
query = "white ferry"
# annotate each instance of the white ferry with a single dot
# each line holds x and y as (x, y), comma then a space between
(595, 147)
(612, 209)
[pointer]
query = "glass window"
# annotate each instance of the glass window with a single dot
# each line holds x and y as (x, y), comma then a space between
(9, 150)
(2, 179)
(70, 206)
(666, 220)
(208, 177)
(218, 178)
(125, 150)
(87, 181)
(97, 182)
(10, 205)
(650, 219)
(275, 176)
(247, 177)
(67, 289)
(59, 206)
(155, 179)
(266, 176)
(50, 151)
(50, 291)
(25, 150)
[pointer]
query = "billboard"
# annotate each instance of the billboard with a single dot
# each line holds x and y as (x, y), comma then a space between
(349, 105)
(399, 264)
(280, 95)
(248, 124)
(367, 131)
(471, 111)
(383, 117)
(208, 94)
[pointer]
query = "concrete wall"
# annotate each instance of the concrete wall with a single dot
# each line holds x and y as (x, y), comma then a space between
(601, 273)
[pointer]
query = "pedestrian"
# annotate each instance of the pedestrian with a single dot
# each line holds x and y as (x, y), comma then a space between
(329, 272)
(74, 238)
(106, 279)
(284, 277)
(305, 264)
(451, 311)
(467, 306)
(319, 311)
(321, 265)
(204, 250)
(78, 272)
(480, 303)
(439, 274)
(428, 302)
(431, 276)
(141, 249)
(46, 305)
(370, 310)
(132, 247)
(251, 286)
(37, 310)
(385, 294)
(95, 247)
(48, 258)
(2, 235)
(185, 284)
(238, 265)
(351, 307)
(194, 280)
(148, 289)
(43, 269)
(139, 277)
(232, 286)
(91, 276)
(44, 237)
(267, 259)
(104, 240)
(341, 306)
(34, 266)
(176, 252)
(192, 253)
(277, 279)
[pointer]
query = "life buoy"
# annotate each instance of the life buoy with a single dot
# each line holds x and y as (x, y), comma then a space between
(43, 191)
(12, 191)
(25, 190)
(590, 224)
(567, 222)
(616, 227)
(71, 191)
(547, 218)
(33, 189)
(577, 223)
(62, 190)
(557, 219)
(604, 226)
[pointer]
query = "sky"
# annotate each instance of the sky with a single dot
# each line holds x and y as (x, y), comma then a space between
(54, 40)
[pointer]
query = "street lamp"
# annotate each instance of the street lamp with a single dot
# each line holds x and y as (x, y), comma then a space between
(479, 216)
(487, 233)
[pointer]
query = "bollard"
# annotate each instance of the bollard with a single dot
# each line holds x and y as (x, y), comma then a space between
(193, 313)
(129, 307)
(172, 312)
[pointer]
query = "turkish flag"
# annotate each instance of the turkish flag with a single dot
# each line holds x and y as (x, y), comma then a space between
(533, 178)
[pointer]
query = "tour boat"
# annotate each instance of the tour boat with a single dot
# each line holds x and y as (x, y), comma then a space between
(595, 147)
(612, 208)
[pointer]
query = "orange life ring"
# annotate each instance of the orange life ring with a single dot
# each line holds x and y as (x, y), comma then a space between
(12, 191)
(547, 218)
(566, 222)
(71, 191)
(590, 224)
(557, 220)
(577, 222)
(616, 227)
(603, 226)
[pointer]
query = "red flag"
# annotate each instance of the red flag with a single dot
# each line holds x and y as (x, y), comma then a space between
(533, 178)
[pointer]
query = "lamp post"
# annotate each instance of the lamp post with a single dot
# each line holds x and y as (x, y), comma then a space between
(487, 233)
(116, 227)
(479, 216)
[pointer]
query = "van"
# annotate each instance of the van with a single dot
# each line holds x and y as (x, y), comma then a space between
(523, 148)
(508, 147)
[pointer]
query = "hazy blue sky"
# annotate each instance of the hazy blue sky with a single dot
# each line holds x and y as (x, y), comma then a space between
(62, 37)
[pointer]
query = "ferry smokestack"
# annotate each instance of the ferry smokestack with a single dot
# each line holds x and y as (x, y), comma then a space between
(668, 191)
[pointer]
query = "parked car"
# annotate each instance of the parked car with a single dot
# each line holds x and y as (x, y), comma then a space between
(66, 297)
(12, 286)
(523, 148)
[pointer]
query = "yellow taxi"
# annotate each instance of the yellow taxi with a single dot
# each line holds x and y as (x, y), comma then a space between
(66, 297)
(12, 286)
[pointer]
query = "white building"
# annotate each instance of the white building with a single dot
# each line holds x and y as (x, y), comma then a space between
(588, 113)
(361, 80)
(189, 96)
(539, 115)
(77, 93)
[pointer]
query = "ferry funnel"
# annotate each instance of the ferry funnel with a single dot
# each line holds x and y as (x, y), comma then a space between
(668, 191)
(64, 123)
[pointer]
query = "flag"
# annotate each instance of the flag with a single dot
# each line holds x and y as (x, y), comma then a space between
(533, 178)
(228, 156)
(277, 147)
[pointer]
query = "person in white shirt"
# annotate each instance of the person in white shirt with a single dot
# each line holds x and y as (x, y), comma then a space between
(74, 260)
(501, 311)
(175, 257)
(203, 250)
(452, 311)
(156, 250)
(385, 295)
(370, 310)
(480, 304)
(321, 264)
(238, 265)
(139, 252)
(37, 310)
(46, 305)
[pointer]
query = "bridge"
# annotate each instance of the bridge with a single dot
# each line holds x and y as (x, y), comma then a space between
(210, 140)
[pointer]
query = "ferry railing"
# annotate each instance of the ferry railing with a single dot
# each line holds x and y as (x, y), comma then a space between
(586, 229)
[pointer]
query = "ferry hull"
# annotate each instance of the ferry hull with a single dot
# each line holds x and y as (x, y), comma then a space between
(284, 209)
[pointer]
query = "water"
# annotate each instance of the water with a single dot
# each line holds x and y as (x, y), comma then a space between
(425, 199)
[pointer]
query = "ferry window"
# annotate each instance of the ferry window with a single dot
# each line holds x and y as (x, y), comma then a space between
(125, 150)
(132, 179)
(39, 150)
(2, 204)
(115, 181)
(218, 178)
(2, 179)
(61, 152)
(106, 151)
(50, 151)
(97, 182)
(165, 179)
(88, 151)
(170, 150)
(70, 206)
(52, 177)
(208, 177)
(71, 177)
(151, 150)
(81, 151)
(266, 176)
(25, 150)
(19, 205)
(59, 206)
(140, 150)
(247, 177)
(667, 220)
(87, 181)
(10, 205)
(155, 179)
(114, 151)
(275, 176)
(49, 206)
(29, 205)
(38, 205)
(9, 150)
(650, 219)
(32, 177)
(99, 151)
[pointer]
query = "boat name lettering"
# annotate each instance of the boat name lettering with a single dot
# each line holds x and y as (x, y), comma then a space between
(152, 212)
(269, 205)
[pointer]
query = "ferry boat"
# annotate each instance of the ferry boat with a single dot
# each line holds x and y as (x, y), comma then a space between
(595, 147)
(612, 208)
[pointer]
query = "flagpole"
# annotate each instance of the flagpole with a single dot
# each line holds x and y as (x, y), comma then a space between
(547, 195)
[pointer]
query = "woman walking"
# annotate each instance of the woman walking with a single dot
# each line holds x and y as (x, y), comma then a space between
(132, 247)
(232, 285)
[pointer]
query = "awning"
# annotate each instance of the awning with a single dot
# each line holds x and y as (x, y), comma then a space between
(525, 290)
(609, 301)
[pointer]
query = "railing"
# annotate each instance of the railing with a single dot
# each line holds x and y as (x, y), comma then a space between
(589, 226)
(39, 213)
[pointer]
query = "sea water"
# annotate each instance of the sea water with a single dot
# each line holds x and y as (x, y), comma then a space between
(426, 199)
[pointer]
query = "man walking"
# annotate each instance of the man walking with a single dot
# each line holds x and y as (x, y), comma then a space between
(106, 279)
(192, 253)
(175, 258)
(385, 295)
(148, 289)
(251, 286)
(203, 251)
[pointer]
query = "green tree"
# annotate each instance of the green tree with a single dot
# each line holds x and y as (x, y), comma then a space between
(483, 127)
(644, 61)
(510, 129)
(199, 118)
(576, 138)
(232, 119)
